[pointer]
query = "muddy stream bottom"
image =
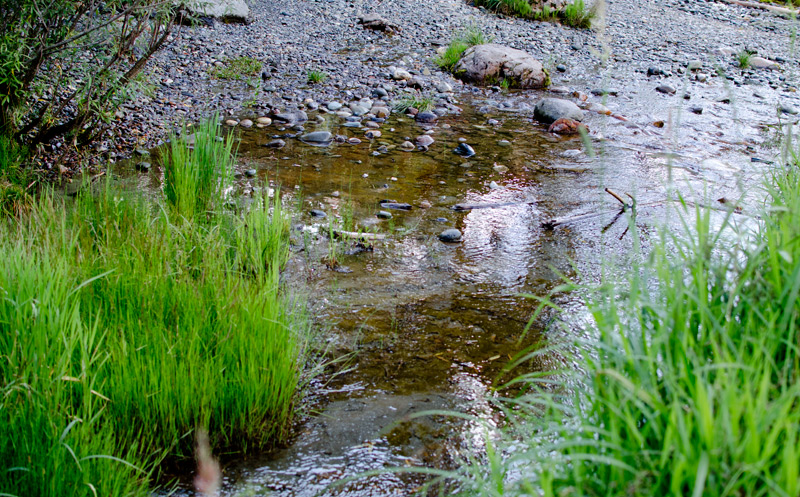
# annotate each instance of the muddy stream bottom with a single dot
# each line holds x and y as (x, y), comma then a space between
(430, 325)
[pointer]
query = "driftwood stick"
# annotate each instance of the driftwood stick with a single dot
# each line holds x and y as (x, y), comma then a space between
(619, 199)
(352, 235)
(552, 223)
(764, 6)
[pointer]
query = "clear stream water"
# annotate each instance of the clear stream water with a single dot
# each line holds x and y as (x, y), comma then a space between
(431, 324)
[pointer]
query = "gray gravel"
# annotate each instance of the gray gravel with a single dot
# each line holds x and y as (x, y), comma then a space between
(292, 37)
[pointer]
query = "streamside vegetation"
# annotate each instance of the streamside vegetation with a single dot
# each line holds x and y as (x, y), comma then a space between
(688, 381)
(469, 37)
(126, 326)
(575, 14)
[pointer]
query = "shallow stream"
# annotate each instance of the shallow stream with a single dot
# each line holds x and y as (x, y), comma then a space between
(429, 324)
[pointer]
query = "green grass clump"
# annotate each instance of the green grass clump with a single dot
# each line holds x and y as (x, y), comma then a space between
(410, 100)
(237, 69)
(577, 15)
(14, 178)
(688, 384)
(197, 170)
(743, 58)
(315, 76)
(520, 8)
(469, 37)
(124, 328)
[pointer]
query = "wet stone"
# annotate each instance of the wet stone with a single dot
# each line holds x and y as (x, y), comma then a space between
(384, 215)
(250, 173)
(246, 123)
(277, 143)
(143, 166)
(464, 150)
(426, 117)
(450, 236)
(317, 213)
(317, 137)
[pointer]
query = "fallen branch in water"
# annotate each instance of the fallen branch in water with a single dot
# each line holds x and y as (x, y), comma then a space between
(552, 223)
(352, 235)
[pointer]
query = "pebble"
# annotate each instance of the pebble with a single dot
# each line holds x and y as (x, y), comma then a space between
(425, 205)
(384, 215)
(407, 146)
(231, 122)
(143, 166)
(450, 236)
(277, 143)
(426, 117)
(373, 133)
(246, 123)
(264, 120)
(250, 173)
(666, 89)
(424, 141)
(317, 213)
(353, 141)
(464, 150)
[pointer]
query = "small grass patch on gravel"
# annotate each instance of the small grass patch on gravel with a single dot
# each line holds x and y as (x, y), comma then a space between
(409, 100)
(237, 69)
(316, 76)
(575, 14)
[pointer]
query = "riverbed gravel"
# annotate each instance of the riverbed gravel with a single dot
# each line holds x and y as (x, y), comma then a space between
(637, 45)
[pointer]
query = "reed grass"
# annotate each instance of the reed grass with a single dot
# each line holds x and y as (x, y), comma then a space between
(688, 382)
(126, 326)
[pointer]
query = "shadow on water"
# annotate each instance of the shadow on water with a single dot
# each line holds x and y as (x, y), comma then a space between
(431, 324)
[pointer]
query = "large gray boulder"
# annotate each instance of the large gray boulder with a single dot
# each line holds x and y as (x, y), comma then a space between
(492, 63)
(549, 110)
(224, 10)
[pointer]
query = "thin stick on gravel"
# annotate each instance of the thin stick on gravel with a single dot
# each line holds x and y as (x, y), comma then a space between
(763, 6)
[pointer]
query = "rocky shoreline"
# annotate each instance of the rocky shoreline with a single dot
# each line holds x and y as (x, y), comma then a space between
(677, 44)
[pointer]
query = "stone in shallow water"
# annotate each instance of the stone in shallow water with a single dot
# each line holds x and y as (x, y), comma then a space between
(450, 236)
(317, 213)
(384, 215)
(549, 110)
(317, 137)
(464, 150)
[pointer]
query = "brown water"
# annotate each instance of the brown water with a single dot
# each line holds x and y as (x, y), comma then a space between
(430, 325)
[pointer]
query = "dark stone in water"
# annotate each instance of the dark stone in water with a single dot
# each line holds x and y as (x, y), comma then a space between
(275, 144)
(317, 138)
(396, 206)
(250, 173)
(450, 236)
(464, 150)
(317, 213)
(426, 117)
(384, 215)
(143, 166)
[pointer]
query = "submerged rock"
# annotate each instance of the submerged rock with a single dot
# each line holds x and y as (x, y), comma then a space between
(565, 126)
(450, 236)
(464, 150)
(492, 63)
(317, 138)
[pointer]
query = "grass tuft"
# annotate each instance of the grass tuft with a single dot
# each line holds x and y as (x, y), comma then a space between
(197, 170)
(577, 15)
(469, 37)
(410, 100)
(237, 69)
(743, 58)
(315, 76)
